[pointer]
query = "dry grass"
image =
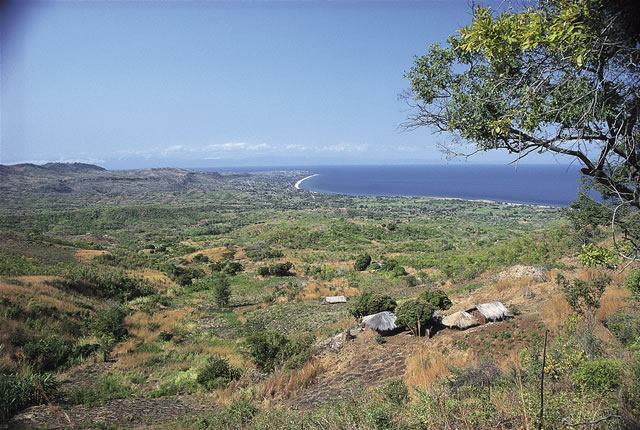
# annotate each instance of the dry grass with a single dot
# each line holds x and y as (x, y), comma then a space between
(155, 277)
(215, 254)
(135, 360)
(555, 313)
(86, 255)
(284, 384)
(319, 289)
(611, 302)
(35, 289)
(429, 364)
(144, 328)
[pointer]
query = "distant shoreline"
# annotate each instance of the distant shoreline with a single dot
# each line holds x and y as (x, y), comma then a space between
(297, 185)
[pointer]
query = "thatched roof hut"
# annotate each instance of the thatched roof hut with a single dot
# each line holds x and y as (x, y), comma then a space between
(335, 299)
(382, 322)
(493, 311)
(461, 320)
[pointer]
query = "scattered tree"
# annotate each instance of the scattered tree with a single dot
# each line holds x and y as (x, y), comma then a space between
(371, 303)
(415, 315)
(437, 298)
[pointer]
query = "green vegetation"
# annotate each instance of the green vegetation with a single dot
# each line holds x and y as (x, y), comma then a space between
(85, 282)
(415, 315)
(437, 298)
(533, 80)
(217, 373)
(362, 262)
(371, 303)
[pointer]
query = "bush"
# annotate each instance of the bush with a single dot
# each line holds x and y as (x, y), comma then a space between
(415, 315)
(183, 275)
(276, 269)
(437, 298)
(47, 354)
(267, 349)
(298, 349)
(633, 283)
(371, 303)
(626, 328)
(227, 267)
(200, 258)
(109, 321)
(281, 269)
(232, 268)
(362, 262)
(17, 392)
(393, 267)
(597, 375)
(108, 387)
(396, 391)
(217, 373)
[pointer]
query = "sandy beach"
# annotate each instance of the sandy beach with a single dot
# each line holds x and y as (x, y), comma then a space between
(297, 185)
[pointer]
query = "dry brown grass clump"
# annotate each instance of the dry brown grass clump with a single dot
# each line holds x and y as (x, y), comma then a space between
(430, 364)
(284, 384)
(612, 301)
(86, 255)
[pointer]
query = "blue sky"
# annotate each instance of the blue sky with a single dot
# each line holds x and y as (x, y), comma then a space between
(215, 84)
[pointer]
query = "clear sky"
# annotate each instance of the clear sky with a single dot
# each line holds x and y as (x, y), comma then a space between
(209, 84)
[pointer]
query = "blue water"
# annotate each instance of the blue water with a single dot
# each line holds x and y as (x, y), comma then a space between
(552, 185)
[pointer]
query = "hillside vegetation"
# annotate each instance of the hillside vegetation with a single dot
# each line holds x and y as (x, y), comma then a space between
(166, 297)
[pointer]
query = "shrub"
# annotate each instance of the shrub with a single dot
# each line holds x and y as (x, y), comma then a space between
(362, 262)
(437, 298)
(633, 283)
(626, 328)
(371, 303)
(280, 269)
(396, 391)
(217, 373)
(393, 267)
(109, 321)
(108, 387)
(276, 269)
(597, 375)
(200, 258)
(18, 392)
(415, 315)
(267, 349)
(183, 275)
(232, 268)
(298, 349)
(47, 354)
(412, 281)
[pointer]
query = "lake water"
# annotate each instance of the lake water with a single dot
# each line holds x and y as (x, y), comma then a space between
(552, 185)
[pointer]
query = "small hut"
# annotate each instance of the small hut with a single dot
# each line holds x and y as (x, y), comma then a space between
(382, 322)
(461, 320)
(335, 299)
(493, 311)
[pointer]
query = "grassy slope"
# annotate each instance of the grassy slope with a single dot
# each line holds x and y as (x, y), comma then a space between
(172, 333)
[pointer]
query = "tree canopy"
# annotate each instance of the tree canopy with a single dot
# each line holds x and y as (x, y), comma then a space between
(561, 77)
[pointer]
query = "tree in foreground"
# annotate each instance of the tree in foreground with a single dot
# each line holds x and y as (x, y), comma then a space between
(562, 77)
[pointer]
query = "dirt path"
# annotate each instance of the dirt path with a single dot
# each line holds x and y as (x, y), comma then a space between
(362, 362)
(130, 413)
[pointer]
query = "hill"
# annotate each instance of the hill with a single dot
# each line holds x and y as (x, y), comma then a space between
(110, 296)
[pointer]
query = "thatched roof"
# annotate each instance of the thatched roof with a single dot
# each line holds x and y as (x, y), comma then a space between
(493, 311)
(381, 322)
(335, 299)
(460, 319)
